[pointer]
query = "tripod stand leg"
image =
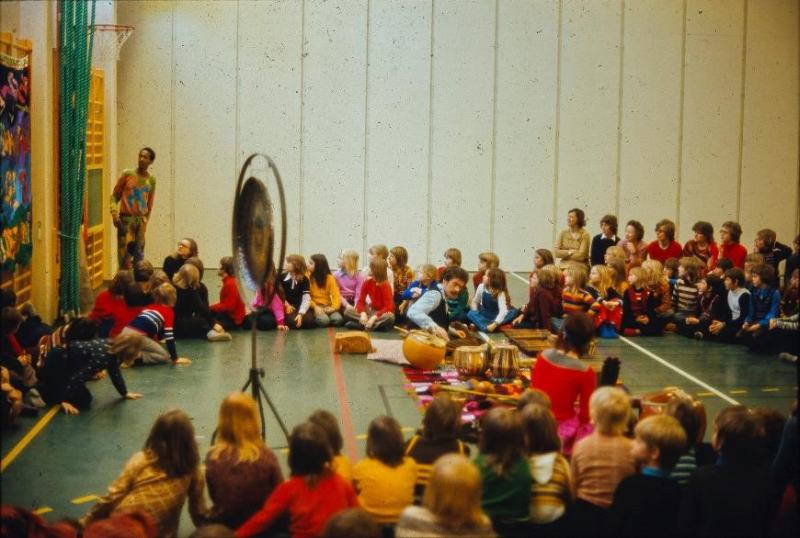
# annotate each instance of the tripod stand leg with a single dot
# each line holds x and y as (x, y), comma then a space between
(274, 412)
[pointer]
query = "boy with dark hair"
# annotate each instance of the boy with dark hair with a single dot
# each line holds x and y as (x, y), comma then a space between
(647, 504)
(731, 497)
(729, 246)
(606, 238)
(736, 307)
(765, 302)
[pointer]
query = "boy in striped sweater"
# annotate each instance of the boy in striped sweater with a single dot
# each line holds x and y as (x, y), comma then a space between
(155, 322)
(574, 297)
(685, 296)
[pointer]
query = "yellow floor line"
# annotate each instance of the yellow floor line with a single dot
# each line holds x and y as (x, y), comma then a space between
(770, 389)
(738, 391)
(39, 426)
(705, 394)
(85, 499)
(43, 510)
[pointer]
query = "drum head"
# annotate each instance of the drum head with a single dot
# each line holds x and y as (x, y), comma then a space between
(254, 233)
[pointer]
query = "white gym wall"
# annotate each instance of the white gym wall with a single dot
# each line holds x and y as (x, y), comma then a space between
(475, 124)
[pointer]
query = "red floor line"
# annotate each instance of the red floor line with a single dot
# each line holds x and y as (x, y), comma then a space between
(344, 403)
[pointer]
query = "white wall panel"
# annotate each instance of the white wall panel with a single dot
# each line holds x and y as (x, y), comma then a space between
(650, 113)
(712, 94)
(205, 124)
(333, 126)
(270, 48)
(398, 93)
(590, 63)
(144, 114)
(463, 73)
(769, 197)
(525, 137)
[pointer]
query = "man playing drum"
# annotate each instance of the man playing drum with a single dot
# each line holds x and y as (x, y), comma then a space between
(429, 312)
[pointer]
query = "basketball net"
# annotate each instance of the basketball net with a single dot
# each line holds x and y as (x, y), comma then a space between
(108, 41)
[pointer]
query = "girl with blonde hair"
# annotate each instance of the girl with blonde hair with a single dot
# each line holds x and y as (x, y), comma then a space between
(241, 471)
(451, 505)
(379, 313)
(193, 317)
(349, 278)
(607, 307)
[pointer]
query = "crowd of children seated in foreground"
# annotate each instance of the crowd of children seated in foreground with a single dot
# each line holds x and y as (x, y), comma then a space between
(651, 477)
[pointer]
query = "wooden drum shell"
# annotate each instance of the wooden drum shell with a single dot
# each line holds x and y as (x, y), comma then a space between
(505, 361)
(470, 361)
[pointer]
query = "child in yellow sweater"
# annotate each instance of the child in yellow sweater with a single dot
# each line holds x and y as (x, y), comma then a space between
(325, 297)
(385, 478)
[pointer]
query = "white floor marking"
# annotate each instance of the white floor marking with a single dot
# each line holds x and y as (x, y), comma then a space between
(669, 365)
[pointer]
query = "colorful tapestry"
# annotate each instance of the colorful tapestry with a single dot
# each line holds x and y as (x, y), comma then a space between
(15, 162)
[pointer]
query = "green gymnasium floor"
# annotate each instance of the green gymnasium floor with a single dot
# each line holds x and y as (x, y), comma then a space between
(67, 460)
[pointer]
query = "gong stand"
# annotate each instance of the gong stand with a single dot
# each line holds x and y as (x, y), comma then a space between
(253, 247)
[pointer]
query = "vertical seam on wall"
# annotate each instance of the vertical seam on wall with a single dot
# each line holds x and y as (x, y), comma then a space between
(619, 104)
(680, 122)
(557, 134)
(797, 192)
(366, 137)
(493, 194)
(430, 140)
(173, 68)
(741, 117)
(237, 137)
(302, 124)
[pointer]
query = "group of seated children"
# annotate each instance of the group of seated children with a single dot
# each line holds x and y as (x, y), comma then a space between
(654, 477)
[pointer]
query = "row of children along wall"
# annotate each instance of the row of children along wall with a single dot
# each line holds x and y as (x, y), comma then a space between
(704, 294)
(627, 478)
(701, 289)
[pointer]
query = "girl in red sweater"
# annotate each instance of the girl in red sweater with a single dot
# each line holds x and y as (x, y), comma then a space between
(312, 495)
(379, 313)
(229, 311)
(561, 374)
(110, 309)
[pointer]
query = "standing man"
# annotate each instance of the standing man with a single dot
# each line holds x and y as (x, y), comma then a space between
(131, 204)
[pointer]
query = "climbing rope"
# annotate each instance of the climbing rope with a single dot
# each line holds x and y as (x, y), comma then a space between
(75, 47)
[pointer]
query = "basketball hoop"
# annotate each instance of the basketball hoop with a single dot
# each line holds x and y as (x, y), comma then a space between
(108, 41)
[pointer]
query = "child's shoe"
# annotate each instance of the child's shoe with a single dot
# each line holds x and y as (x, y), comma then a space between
(214, 336)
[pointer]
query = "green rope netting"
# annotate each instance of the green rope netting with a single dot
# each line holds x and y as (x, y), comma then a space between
(75, 46)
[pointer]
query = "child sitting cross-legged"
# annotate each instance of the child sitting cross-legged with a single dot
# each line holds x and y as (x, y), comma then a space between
(712, 304)
(765, 301)
(229, 311)
(638, 315)
(600, 461)
(325, 297)
(574, 297)
(735, 307)
(607, 306)
(439, 436)
(647, 504)
(379, 314)
(451, 505)
(543, 302)
(385, 478)
(403, 274)
(491, 306)
(313, 493)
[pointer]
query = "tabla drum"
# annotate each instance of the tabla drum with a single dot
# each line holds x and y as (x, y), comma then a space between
(470, 361)
(424, 350)
(504, 363)
(655, 403)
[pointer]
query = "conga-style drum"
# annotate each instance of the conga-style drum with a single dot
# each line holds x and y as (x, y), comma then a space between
(655, 403)
(470, 361)
(424, 350)
(504, 363)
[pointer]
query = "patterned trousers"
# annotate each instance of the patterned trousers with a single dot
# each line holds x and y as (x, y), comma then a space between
(130, 240)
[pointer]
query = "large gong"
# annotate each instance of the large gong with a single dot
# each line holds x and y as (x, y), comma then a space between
(259, 226)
